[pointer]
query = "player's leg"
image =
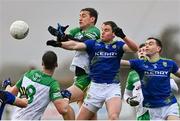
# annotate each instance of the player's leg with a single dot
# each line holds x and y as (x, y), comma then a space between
(76, 93)
(113, 107)
(77, 89)
(113, 101)
(80, 103)
(92, 103)
(173, 112)
(85, 114)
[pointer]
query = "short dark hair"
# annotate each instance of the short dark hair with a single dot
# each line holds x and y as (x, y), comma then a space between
(158, 42)
(142, 45)
(49, 60)
(112, 24)
(92, 13)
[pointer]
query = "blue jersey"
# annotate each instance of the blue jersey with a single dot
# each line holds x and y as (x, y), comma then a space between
(5, 98)
(155, 80)
(104, 60)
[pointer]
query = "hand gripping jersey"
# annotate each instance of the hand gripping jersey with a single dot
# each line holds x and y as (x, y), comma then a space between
(81, 58)
(41, 89)
(155, 81)
(104, 60)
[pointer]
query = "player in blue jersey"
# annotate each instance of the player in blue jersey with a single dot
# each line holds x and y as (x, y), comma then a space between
(105, 55)
(8, 98)
(154, 75)
(133, 93)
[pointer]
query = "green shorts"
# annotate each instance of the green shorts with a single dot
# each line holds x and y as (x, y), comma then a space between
(82, 82)
(145, 116)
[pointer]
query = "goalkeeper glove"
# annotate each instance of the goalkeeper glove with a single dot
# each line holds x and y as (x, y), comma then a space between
(62, 28)
(6, 82)
(119, 32)
(66, 94)
(23, 93)
(59, 32)
(132, 102)
(53, 43)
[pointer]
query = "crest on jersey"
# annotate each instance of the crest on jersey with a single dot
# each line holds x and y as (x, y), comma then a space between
(114, 46)
(165, 64)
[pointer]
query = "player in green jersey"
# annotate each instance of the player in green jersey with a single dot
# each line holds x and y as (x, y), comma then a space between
(80, 64)
(42, 88)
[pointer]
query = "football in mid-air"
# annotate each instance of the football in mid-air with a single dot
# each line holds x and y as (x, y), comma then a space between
(19, 29)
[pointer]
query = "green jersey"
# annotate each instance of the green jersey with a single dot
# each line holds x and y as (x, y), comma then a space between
(133, 86)
(41, 89)
(81, 58)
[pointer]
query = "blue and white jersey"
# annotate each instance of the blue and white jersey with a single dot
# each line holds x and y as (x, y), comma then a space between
(5, 98)
(155, 80)
(104, 60)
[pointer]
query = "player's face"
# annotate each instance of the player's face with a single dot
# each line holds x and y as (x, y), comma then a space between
(106, 35)
(142, 53)
(151, 47)
(85, 20)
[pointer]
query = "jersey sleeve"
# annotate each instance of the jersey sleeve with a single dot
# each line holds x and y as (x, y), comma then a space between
(135, 64)
(19, 82)
(55, 91)
(92, 33)
(10, 98)
(120, 45)
(89, 45)
(132, 77)
(174, 67)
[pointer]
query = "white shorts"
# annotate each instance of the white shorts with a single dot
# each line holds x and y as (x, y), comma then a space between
(100, 93)
(163, 112)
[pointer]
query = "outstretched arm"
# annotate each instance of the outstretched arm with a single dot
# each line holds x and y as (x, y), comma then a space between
(68, 45)
(72, 45)
(130, 45)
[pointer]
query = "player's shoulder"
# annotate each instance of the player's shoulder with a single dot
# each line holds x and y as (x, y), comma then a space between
(118, 42)
(132, 72)
(93, 29)
(166, 60)
(75, 29)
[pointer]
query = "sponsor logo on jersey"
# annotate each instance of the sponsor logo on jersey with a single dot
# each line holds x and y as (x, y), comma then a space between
(106, 54)
(156, 73)
(114, 46)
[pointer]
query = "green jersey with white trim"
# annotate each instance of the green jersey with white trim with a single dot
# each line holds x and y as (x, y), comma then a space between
(81, 58)
(133, 84)
(41, 89)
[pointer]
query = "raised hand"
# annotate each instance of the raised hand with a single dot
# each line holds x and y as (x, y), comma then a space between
(62, 28)
(119, 32)
(6, 82)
